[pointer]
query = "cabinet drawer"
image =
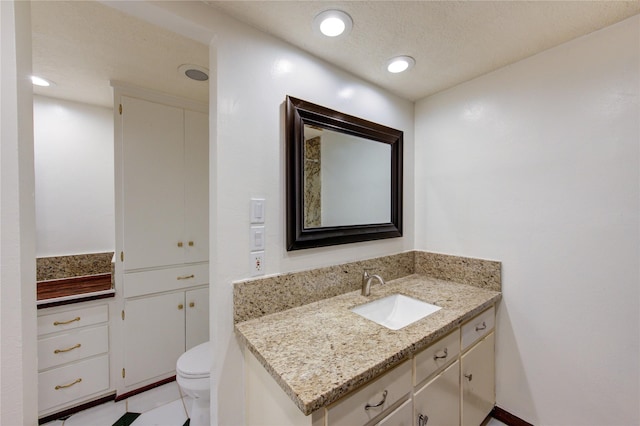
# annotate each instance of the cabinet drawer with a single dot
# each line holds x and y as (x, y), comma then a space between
(478, 327)
(72, 382)
(160, 280)
(72, 346)
(351, 411)
(437, 356)
(69, 320)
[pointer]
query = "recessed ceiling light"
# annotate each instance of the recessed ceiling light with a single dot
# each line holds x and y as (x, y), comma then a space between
(39, 81)
(194, 72)
(333, 23)
(400, 64)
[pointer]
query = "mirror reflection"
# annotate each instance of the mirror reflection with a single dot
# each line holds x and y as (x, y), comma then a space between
(347, 179)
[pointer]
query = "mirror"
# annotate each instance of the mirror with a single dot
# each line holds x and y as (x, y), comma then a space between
(344, 177)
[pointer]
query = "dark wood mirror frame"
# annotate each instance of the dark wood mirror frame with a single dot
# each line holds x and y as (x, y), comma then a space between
(298, 113)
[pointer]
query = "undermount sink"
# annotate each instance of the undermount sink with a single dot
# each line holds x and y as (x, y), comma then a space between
(395, 311)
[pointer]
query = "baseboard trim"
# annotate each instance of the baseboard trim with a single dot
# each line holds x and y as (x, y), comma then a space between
(145, 388)
(69, 411)
(507, 418)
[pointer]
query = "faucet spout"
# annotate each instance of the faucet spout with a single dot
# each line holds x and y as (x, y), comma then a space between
(366, 282)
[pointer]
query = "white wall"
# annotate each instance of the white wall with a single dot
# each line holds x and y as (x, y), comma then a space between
(254, 74)
(18, 363)
(74, 168)
(537, 165)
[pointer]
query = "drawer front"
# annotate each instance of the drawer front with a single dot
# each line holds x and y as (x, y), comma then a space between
(72, 346)
(352, 411)
(71, 319)
(478, 327)
(72, 382)
(437, 356)
(160, 280)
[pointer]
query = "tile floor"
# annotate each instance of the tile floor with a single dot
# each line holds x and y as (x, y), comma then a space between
(161, 406)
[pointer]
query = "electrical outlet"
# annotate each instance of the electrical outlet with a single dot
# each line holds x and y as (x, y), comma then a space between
(256, 263)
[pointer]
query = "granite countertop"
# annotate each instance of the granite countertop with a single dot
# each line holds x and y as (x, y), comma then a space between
(75, 278)
(321, 351)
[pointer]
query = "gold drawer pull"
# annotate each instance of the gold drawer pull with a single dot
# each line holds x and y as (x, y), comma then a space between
(180, 306)
(180, 244)
(186, 277)
(192, 304)
(69, 385)
(66, 322)
(57, 351)
(190, 243)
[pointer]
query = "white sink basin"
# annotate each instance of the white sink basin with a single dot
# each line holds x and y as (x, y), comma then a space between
(395, 311)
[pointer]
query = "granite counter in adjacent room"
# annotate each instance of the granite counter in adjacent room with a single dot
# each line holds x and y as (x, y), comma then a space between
(321, 351)
(74, 278)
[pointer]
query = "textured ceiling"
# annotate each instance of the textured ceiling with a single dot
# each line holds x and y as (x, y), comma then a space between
(452, 41)
(82, 45)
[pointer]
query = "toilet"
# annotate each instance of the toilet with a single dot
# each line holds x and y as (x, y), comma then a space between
(192, 375)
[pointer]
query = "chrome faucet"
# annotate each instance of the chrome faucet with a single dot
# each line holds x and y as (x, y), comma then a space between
(366, 282)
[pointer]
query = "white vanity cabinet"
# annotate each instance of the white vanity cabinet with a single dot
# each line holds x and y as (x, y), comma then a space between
(438, 401)
(73, 355)
(436, 398)
(162, 232)
(478, 381)
(372, 400)
(478, 368)
(449, 383)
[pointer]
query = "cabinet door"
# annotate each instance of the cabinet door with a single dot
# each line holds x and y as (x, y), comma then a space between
(196, 188)
(153, 188)
(478, 382)
(438, 402)
(197, 317)
(153, 336)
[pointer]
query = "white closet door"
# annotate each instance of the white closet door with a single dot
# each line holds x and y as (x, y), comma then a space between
(153, 183)
(196, 141)
(154, 336)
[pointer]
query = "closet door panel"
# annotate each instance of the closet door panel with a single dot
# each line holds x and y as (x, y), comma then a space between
(153, 183)
(196, 189)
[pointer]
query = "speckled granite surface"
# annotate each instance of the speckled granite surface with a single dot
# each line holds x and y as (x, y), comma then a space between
(321, 351)
(257, 297)
(477, 272)
(262, 296)
(57, 267)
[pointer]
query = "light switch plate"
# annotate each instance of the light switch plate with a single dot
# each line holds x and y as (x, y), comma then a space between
(257, 210)
(256, 238)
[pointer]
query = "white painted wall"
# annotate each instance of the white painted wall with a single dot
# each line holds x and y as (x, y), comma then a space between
(18, 363)
(537, 165)
(253, 75)
(74, 168)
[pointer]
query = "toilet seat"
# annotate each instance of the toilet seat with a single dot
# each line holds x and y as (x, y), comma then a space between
(195, 363)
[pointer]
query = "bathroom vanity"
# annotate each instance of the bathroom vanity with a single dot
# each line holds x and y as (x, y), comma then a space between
(322, 364)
